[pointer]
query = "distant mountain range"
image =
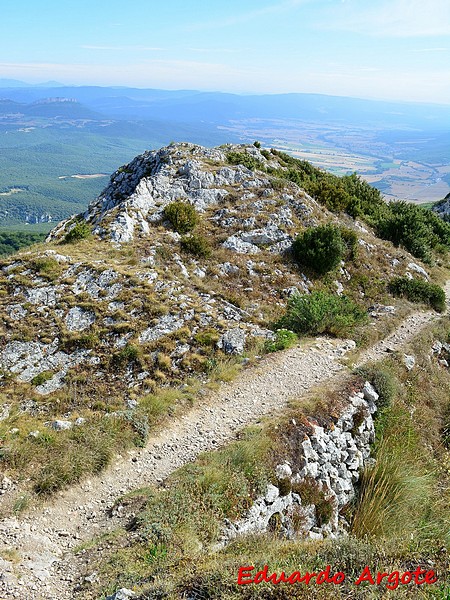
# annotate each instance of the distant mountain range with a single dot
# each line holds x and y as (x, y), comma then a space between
(193, 106)
(51, 132)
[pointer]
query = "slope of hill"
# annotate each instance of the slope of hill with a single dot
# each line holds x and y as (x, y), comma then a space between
(183, 260)
(189, 264)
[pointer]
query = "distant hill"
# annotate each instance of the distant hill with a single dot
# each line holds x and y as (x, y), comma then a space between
(49, 132)
(192, 105)
(67, 108)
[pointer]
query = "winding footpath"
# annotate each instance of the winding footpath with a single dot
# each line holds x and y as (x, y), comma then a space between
(40, 544)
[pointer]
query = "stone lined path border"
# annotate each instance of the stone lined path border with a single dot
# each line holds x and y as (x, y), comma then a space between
(46, 568)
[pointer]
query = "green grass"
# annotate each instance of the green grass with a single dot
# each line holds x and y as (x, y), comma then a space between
(396, 492)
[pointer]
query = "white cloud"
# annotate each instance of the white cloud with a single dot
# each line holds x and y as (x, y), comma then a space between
(393, 18)
(220, 50)
(120, 48)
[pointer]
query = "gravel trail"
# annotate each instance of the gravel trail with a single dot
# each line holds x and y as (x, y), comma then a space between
(44, 566)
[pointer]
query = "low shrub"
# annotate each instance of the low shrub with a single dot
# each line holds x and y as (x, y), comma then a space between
(181, 215)
(47, 267)
(72, 341)
(321, 312)
(244, 159)
(417, 290)
(310, 492)
(415, 228)
(207, 338)
(80, 231)
(197, 245)
(384, 382)
(42, 378)
(283, 339)
(129, 353)
(350, 239)
(319, 248)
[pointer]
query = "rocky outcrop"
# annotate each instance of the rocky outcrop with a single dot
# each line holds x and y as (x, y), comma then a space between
(137, 193)
(309, 495)
(442, 208)
(232, 341)
(122, 594)
(27, 360)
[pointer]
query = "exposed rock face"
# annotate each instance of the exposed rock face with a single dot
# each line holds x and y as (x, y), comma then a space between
(138, 192)
(28, 359)
(232, 341)
(332, 461)
(165, 326)
(409, 361)
(78, 319)
(122, 594)
(442, 208)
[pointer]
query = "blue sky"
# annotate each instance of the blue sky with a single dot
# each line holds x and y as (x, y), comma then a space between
(389, 49)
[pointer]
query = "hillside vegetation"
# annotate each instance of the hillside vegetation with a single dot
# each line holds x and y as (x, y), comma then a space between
(11, 242)
(398, 520)
(185, 266)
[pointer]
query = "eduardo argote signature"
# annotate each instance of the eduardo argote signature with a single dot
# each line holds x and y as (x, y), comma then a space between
(392, 580)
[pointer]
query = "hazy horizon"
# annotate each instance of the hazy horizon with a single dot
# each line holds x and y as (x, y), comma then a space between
(57, 85)
(392, 51)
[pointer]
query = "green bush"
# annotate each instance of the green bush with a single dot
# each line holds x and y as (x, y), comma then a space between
(321, 312)
(417, 229)
(244, 159)
(417, 290)
(283, 339)
(350, 239)
(196, 245)
(383, 381)
(182, 216)
(319, 248)
(81, 231)
(129, 353)
(42, 378)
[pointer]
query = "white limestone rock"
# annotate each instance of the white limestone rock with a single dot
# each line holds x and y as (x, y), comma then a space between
(78, 319)
(236, 244)
(418, 269)
(409, 361)
(232, 341)
(122, 594)
(272, 493)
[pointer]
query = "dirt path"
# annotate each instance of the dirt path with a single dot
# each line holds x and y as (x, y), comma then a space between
(42, 565)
